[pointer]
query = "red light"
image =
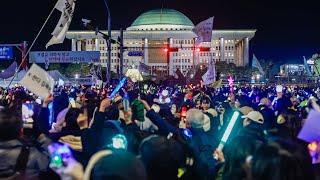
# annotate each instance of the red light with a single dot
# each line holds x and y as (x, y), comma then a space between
(166, 49)
(183, 111)
(198, 49)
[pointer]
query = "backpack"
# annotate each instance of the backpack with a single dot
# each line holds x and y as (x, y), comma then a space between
(21, 165)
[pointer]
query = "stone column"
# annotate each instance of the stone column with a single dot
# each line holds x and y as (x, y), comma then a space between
(97, 44)
(73, 45)
(246, 51)
(222, 49)
(240, 53)
(145, 53)
(79, 45)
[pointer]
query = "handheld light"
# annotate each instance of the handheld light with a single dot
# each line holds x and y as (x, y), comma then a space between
(126, 103)
(228, 131)
(187, 133)
(119, 141)
(118, 87)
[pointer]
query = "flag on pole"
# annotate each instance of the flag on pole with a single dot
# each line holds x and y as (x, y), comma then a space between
(210, 76)
(306, 66)
(203, 30)
(66, 7)
(256, 64)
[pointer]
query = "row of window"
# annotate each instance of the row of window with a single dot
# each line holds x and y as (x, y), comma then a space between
(191, 41)
(183, 67)
(175, 41)
(181, 61)
(160, 67)
(162, 29)
(202, 54)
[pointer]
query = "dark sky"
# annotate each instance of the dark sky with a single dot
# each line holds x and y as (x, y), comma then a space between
(286, 30)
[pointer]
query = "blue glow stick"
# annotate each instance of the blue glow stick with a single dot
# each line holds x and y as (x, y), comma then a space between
(50, 107)
(251, 93)
(118, 87)
(126, 102)
(228, 131)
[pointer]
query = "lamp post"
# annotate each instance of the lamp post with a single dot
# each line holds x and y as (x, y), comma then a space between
(108, 72)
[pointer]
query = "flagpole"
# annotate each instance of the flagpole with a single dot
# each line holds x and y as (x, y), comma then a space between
(35, 39)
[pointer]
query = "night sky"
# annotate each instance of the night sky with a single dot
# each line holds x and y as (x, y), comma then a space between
(286, 30)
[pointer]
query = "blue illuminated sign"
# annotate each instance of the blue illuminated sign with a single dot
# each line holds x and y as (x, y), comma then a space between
(135, 53)
(6, 52)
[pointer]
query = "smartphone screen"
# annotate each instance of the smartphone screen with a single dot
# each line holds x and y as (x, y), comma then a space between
(27, 113)
(60, 155)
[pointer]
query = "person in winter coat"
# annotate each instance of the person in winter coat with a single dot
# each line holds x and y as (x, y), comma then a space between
(267, 113)
(19, 158)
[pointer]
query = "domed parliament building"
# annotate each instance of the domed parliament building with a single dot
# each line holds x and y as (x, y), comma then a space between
(152, 36)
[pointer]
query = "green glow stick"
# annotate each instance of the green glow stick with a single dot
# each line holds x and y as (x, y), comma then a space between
(227, 132)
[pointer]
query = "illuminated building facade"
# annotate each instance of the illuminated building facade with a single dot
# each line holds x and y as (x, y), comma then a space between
(163, 40)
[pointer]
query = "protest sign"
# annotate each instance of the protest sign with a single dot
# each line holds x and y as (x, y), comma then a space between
(38, 81)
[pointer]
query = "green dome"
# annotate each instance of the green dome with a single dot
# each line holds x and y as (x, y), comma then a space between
(162, 17)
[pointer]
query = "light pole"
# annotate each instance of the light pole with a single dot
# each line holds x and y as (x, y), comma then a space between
(108, 72)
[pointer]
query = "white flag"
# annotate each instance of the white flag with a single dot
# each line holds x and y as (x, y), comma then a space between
(203, 31)
(210, 76)
(256, 64)
(66, 7)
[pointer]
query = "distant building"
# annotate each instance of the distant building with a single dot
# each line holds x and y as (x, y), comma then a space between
(298, 69)
(292, 70)
(156, 32)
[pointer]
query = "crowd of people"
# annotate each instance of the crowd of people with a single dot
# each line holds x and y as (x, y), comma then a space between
(158, 132)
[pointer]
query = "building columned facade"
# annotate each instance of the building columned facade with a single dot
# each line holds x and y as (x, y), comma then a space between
(163, 40)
